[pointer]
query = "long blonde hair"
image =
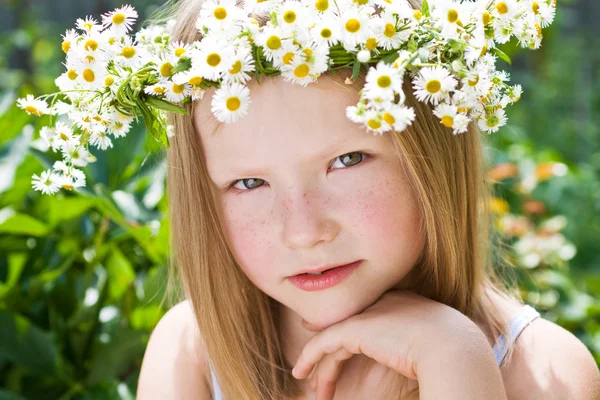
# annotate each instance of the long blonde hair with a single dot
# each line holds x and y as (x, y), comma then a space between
(239, 323)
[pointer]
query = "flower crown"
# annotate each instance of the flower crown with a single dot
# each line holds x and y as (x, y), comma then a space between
(447, 48)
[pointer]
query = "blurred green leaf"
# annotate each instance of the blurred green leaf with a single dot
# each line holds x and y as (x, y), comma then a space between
(23, 224)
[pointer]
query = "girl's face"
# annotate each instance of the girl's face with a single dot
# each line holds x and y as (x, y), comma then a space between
(302, 186)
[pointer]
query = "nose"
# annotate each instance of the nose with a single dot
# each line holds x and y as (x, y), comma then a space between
(306, 220)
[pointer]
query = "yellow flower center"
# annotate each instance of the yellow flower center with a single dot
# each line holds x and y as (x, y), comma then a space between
(67, 186)
(502, 8)
(112, 40)
(326, 33)
(390, 30)
(371, 43)
(538, 29)
(389, 118)
(109, 80)
(322, 5)
(417, 14)
(213, 59)
(535, 7)
(89, 75)
(452, 15)
(178, 89)
(233, 103)
(159, 90)
(483, 50)
(179, 51)
(33, 110)
(72, 74)
(63, 136)
(301, 71)
(486, 18)
(384, 81)
(288, 57)
(195, 80)
(353, 25)
(87, 26)
(90, 58)
(308, 52)
(474, 82)
(165, 69)
(91, 44)
(118, 18)
(448, 121)
(433, 86)
(220, 13)
(66, 46)
(361, 2)
(128, 52)
(374, 124)
(273, 42)
(289, 16)
(236, 68)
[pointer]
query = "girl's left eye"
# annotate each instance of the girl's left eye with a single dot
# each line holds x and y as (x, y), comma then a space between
(347, 160)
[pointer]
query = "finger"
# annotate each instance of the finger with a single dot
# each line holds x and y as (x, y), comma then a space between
(322, 344)
(329, 370)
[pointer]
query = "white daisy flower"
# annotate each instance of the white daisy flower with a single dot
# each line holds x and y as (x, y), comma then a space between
(492, 123)
(100, 139)
(507, 9)
(386, 34)
(92, 47)
(179, 49)
(177, 93)
(258, 7)
(405, 12)
(220, 15)
(192, 77)
(120, 20)
(450, 17)
(383, 81)
(446, 113)
(327, 29)
(74, 180)
(398, 117)
(49, 137)
(271, 40)
(433, 84)
(231, 102)
(503, 30)
(292, 15)
(461, 123)
(119, 128)
(91, 74)
(299, 71)
(64, 134)
(476, 84)
(197, 93)
(158, 89)
(33, 106)
(47, 182)
(213, 58)
(478, 46)
(128, 54)
(289, 51)
(355, 27)
(69, 40)
(88, 25)
(544, 13)
(355, 113)
(243, 64)
(76, 154)
(374, 123)
(165, 64)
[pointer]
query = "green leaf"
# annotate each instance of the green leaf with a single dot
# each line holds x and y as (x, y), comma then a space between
(153, 125)
(120, 272)
(425, 8)
(390, 58)
(23, 224)
(16, 263)
(23, 343)
(164, 105)
(183, 65)
(5, 395)
(502, 55)
(355, 70)
(68, 208)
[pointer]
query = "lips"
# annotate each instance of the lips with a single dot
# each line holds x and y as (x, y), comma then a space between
(321, 269)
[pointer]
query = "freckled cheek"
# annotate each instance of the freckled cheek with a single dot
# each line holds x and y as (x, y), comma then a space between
(252, 245)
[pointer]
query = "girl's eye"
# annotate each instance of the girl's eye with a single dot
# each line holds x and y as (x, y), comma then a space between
(347, 160)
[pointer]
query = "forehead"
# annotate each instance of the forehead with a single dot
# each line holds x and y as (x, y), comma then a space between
(286, 122)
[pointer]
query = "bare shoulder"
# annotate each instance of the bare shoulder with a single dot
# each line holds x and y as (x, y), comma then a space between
(175, 365)
(549, 363)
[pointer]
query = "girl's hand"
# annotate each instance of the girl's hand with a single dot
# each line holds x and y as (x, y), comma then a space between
(397, 331)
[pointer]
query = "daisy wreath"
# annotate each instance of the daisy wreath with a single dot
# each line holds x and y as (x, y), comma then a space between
(448, 49)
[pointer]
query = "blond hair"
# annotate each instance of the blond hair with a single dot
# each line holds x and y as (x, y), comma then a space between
(239, 322)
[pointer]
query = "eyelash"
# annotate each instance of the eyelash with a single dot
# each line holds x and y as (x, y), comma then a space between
(243, 191)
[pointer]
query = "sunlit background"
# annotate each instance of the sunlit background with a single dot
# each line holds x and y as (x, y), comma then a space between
(82, 276)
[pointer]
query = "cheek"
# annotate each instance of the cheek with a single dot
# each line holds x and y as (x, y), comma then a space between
(251, 243)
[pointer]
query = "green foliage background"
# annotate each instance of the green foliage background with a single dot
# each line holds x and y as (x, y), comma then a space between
(82, 275)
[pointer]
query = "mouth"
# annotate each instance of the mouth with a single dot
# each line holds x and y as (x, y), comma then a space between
(324, 269)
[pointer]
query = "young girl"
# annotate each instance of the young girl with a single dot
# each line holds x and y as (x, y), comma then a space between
(411, 308)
